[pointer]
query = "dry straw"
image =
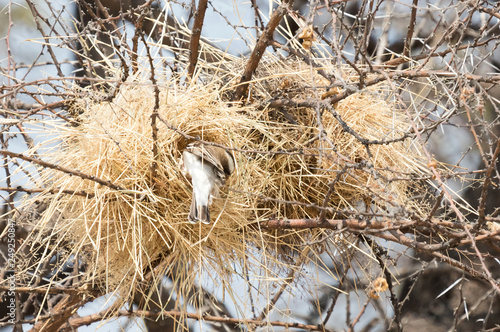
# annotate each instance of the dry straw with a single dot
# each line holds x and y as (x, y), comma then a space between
(122, 233)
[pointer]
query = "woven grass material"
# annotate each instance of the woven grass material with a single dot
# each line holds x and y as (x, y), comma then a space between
(123, 234)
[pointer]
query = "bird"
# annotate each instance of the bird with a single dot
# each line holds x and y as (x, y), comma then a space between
(208, 166)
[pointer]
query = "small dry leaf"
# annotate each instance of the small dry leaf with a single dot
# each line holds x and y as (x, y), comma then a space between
(432, 164)
(377, 286)
(307, 44)
(373, 295)
(380, 284)
(308, 37)
(285, 84)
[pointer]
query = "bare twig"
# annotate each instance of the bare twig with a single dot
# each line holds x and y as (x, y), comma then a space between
(487, 181)
(282, 288)
(82, 175)
(411, 27)
(358, 317)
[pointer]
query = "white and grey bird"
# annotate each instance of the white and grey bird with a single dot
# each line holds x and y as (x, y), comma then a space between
(208, 166)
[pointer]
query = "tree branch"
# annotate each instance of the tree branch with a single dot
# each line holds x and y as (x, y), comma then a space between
(194, 44)
(82, 175)
(87, 320)
(264, 41)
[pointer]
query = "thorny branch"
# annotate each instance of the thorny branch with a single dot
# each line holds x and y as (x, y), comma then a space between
(453, 234)
(83, 321)
(42, 163)
(258, 52)
(154, 115)
(194, 44)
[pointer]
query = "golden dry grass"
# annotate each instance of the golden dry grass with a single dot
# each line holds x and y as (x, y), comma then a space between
(123, 234)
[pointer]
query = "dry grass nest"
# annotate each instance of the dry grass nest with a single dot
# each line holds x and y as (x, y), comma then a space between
(122, 234)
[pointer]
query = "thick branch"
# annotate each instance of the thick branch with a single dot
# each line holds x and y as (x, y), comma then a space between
(194, 44)
(264, 41)
(82, 321)
(383, 228)
(411, 27)
(329, 224)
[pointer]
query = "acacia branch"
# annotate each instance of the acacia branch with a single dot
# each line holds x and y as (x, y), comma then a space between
(393, 75)
(194, 44)
(87, 320)
(264, 41)
(380, 228)
(42, 163)
(389, 230)
(336, 224)
(411, 27)
(52, 290)
(487, 181)
(154, 115)
(42, 190)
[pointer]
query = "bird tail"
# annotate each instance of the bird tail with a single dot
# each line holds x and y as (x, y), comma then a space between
(198, 212)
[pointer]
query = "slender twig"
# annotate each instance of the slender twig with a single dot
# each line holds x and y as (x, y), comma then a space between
(47, 44)
(336, 296)
(80, 174)
(482, 199)
(358, 317)
(270, 305)
(52, 191)
(154, 114)
(258, 18)
(326, 201)
(411, 28)
(490, 277)
(52, 290)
